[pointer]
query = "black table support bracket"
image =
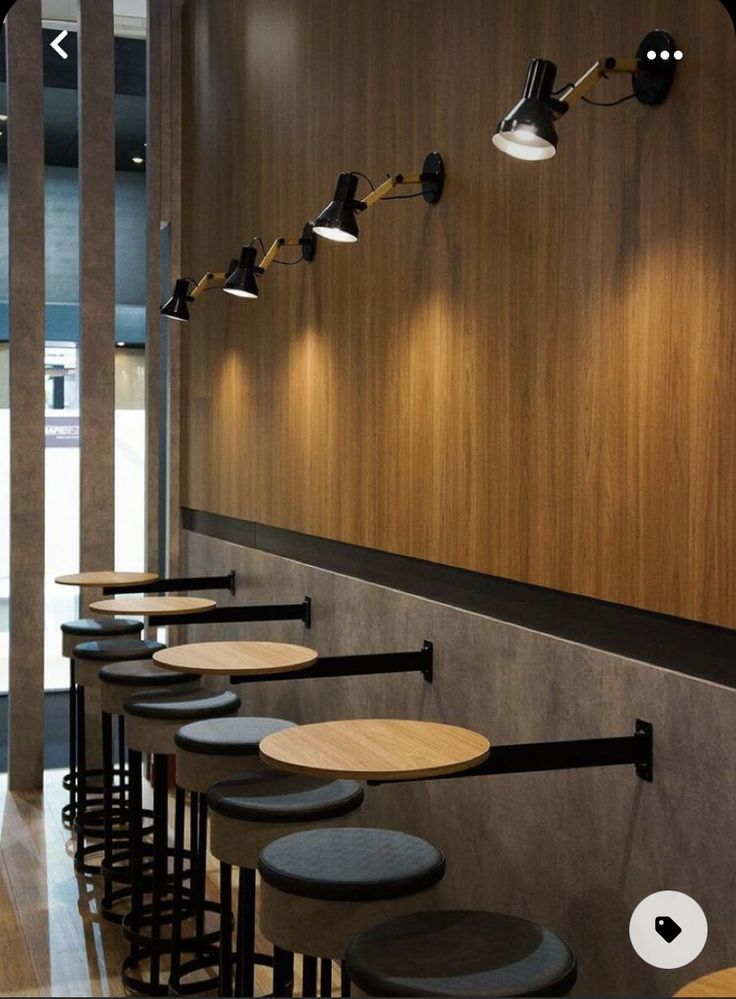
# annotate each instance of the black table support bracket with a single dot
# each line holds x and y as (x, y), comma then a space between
(230, 615)
(369, 664)
(177, 585)
(534, 757)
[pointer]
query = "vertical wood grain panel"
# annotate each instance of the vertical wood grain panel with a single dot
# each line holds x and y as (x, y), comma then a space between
(156, 194)
(174, 335)
(97, 283)
(163, 196)
(27, 334)
(536, 378)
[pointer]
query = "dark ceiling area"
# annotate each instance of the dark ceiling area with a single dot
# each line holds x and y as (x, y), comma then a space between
(61, 104)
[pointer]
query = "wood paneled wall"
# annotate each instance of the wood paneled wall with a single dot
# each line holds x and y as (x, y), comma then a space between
(535, 378)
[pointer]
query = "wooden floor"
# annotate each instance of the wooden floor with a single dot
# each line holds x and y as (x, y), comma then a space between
(52, 940)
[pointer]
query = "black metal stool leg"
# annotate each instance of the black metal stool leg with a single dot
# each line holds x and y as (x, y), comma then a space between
(107, 806)
(124, 795)
(193, 839)
(283, 972)
(201, 865)
(344, 981)
(309, 976)
(175, 970)
(226, 939)
(160, 859)
(135, 763)
(72, 806)
(325, 978)
(245, 950)
(81, 779)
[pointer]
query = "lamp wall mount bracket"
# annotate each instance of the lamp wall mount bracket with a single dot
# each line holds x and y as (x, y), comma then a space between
(432, 177)
(653, 79)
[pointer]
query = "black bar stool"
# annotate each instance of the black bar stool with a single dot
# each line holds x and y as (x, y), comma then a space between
(457, 954)
(246, 814)
(72, 633)
(118, 682)
(152, 721)
(89, 657)
(209, 751)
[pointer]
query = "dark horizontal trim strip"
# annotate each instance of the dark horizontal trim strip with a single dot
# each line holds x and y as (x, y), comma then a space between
(690, 647)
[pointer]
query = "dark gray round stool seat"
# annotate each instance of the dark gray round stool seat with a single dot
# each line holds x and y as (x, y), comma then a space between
(173, 705)
(143, 673)
(351, 865)
(220, 748)
(153, 719)
(446, 953)
(117, 649)
(93, 627)
(277, 796)
(88, 628)
(120, 681)
(228, 736)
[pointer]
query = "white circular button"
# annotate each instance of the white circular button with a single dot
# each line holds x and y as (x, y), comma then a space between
(668, 929)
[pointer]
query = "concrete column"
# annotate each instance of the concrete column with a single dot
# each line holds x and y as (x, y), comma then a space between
(27, 336)
(97, 282)
(97, 302)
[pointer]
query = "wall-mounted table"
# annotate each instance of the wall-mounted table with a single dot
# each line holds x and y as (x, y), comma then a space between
(153, 606)
(236, 658)
(385, 750)
(375, 749)
(108, 578)
(718, 983)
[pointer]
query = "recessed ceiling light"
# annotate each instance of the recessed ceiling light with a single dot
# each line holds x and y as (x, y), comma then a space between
(137, 160)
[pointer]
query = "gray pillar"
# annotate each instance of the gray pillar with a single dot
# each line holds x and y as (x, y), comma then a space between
(97, 303)
(97, 283)
(27, 335)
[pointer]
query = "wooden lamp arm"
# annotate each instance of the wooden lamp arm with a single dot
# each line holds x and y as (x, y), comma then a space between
(207, 281)
(600, 69)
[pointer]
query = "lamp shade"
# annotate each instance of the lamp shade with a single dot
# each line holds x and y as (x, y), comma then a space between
(337, 221)
(242, 281)
(528, 131)
(176, 307)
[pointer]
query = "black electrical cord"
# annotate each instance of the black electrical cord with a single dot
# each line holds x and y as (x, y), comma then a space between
(258, 239)
(402, 197)
(289, 263)
(612, 104)
(365, 177)
(601, 104)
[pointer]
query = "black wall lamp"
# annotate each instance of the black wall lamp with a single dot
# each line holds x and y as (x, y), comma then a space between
(528, 131)
(177, 306)
(337, 221)
(242, 281)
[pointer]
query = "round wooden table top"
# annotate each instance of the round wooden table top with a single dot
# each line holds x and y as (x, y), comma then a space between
(153, 606)
(718, 983)
(106, 578)
(375, 749)
(236, 658)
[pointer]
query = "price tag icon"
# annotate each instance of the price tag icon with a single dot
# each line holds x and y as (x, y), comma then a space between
(667, 928)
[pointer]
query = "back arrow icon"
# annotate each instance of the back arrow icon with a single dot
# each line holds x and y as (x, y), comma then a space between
(56, 44)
